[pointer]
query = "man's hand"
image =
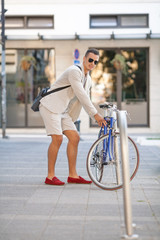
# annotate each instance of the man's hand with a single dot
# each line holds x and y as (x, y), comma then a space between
(100, 120)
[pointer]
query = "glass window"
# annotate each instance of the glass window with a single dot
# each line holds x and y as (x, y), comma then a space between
(121, 77)
(15, 91)
(24, 81)
(14, 22)
(40, 22)
(134, 86)
(29, 22)
(103, 21)
(41, 76)
(134, 21)
(118, 21)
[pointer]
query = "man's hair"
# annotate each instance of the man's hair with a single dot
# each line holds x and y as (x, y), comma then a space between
(92, 50)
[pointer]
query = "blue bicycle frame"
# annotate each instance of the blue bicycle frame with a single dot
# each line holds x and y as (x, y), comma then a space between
(106, 143)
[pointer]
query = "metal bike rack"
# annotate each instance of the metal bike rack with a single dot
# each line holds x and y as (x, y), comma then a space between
(126, 176)
(118, 175)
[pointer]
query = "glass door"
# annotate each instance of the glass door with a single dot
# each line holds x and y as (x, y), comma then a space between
(104, 85)
(40, 76)
(15, 98)
(121, 77)
(27, 72)
(135, 86)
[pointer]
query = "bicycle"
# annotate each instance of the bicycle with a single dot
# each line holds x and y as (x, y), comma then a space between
(104, 163)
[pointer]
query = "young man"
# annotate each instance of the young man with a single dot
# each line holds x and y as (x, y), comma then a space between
(61, 109)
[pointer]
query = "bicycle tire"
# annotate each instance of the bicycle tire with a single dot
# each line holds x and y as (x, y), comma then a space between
(108, 179)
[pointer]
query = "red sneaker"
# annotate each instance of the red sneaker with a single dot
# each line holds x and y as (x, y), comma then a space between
(54, 181)
(79, 180)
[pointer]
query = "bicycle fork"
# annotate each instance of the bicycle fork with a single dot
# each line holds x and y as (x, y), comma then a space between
(106, 143)
(110, 147)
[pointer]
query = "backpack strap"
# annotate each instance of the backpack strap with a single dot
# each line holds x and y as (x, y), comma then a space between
(58, 89)
(55, 90)
(79, 67)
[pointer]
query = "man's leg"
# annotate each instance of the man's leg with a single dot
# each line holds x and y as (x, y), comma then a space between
(72, 150)
(52, 154)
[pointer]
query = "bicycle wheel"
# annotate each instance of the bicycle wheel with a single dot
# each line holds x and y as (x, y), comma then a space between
(98, 160)
(108, 176)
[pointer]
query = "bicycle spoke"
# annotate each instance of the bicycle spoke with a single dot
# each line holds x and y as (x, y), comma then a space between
(108, 176)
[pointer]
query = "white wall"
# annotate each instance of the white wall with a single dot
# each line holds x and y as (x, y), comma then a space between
(73, 16)
(155, 85)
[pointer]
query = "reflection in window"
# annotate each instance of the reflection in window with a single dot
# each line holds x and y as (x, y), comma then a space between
(119, 21)
(134, 83)
(104, 79)
(14, 22)
(29, 22)
(40, 22)
(128, 68)
(134, 21)
(103, 21)
(24, 82)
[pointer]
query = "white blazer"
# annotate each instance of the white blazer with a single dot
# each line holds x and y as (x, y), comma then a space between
(71, 99)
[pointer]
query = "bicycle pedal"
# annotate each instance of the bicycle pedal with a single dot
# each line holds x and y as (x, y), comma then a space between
(92, 164)
(105, 163)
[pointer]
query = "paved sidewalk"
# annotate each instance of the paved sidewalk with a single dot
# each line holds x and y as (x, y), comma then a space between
(31, 210)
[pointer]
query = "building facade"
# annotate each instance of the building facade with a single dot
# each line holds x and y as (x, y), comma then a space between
(55, 34)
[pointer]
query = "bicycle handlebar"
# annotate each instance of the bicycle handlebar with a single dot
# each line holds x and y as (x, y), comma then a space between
(107, 105)
(113, 107)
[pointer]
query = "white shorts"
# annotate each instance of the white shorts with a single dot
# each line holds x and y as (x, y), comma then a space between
(56, 123)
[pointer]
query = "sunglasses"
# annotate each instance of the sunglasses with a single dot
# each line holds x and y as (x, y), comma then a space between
(92, 60)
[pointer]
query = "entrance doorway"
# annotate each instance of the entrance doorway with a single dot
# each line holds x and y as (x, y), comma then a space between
(121, 77)
(27, 72)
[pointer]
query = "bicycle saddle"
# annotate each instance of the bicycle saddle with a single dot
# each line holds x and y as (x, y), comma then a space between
(106, 105)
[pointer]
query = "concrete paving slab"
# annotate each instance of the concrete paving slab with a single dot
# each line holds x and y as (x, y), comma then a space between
(29, 209)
